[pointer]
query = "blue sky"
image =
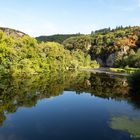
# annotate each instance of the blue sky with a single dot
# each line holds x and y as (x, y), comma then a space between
(45, 17)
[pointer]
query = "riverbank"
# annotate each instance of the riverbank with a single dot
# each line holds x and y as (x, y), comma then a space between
(125, 70)
(105, 71)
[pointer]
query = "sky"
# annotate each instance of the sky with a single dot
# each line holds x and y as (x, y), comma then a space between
(47, 17)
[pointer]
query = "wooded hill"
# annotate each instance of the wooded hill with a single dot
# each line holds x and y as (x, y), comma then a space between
(56, 38)
(118, 47)
(22, 55)
(12, 32)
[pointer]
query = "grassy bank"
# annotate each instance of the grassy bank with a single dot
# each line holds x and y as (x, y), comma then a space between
(126, 70)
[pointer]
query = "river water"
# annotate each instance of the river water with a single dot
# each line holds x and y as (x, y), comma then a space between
(83, 106)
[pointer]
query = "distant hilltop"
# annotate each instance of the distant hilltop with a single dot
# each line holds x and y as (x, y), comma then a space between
(57, 37)
(12, 32)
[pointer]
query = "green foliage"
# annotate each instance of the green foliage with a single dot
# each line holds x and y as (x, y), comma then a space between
(131, 60)
(126, 69)
(82, 43)
(121, 43)
(94, 64)
(25, 56)
(103, 31)
(56, 38)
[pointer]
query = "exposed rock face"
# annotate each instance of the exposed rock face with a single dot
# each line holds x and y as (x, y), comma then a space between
(12, 32)
(110, 60)
(100, 61)
(125, 49)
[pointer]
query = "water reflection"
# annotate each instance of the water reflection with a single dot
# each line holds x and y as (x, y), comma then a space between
(15, 93)
(124, 123)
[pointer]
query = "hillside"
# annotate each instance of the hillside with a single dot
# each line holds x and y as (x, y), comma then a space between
(12, 32)
(56, 38)
(22, 55)
(118, 47)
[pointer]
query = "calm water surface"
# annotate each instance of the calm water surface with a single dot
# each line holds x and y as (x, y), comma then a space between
(70, 108)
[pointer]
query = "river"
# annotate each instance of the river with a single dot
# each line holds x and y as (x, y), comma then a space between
(79, 106)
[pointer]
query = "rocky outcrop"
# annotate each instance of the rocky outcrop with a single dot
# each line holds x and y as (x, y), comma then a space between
(12, 32)
(99, 60)
(110, 60)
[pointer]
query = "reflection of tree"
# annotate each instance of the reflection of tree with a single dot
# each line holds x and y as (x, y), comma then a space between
(130, 125)
(134, 82)
(16, 92)
(134, 100)
(2, 118)
(103, 86)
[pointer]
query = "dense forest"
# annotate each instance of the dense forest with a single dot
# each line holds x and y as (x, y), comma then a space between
(118, 47)
(56, 38)
(23, 55)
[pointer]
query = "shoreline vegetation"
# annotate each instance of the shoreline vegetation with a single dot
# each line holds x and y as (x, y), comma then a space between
(118, 50)
(24, 56)
(112, 71)
(103, 70)
(125, 70)
(132, 74)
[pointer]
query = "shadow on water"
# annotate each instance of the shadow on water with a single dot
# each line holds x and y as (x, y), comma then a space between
(134, 89)
(134, 82)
